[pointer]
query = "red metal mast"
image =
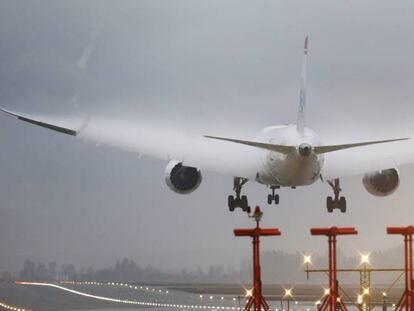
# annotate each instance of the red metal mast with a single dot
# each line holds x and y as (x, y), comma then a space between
(257, 300)
(332, 301)
(407, 299)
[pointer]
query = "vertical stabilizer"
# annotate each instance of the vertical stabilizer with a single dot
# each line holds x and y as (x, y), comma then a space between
(302, 100)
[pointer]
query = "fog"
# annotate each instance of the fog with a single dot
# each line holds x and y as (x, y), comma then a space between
(190, 67)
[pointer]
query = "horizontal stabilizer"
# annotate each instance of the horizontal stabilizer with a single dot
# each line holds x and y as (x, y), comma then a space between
(272, 147)
(326, 149)
(318, 149)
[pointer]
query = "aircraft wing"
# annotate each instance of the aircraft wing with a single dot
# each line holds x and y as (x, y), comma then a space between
(359, 161)
(157, 140)
(231, 157)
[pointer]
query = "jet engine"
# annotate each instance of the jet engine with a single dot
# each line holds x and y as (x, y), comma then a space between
(382, 183)
(182, 179)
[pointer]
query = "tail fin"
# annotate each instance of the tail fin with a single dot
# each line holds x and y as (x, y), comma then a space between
(302, 99)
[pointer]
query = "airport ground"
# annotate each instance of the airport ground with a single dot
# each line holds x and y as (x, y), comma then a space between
(171, 297)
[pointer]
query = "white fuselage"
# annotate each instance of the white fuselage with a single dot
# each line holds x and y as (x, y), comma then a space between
(293, 169)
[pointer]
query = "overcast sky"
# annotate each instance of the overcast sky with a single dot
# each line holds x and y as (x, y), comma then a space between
(217, 64)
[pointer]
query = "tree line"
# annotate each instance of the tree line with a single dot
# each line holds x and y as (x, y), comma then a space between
(277, 267)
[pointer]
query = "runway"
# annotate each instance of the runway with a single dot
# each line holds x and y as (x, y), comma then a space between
(116, 296)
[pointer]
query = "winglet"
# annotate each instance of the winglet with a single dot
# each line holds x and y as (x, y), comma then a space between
(49, 126)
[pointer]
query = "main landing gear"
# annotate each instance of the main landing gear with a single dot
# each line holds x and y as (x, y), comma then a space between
(273, 197)
(238, 201)
(336, 202)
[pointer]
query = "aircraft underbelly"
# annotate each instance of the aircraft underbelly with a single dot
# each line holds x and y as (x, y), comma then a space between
(289, 170)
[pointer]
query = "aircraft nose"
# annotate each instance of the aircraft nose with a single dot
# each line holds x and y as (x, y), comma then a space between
(305, 149)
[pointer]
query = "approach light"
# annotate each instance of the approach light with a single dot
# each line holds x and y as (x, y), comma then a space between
(384, 294)
(307, 259)
(249, 292)
(327, 291)
(359, 299)
(366, 291)
(365, 259)
(288, 292)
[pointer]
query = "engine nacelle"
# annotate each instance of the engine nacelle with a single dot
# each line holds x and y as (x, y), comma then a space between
(382, 183)
(182, 179)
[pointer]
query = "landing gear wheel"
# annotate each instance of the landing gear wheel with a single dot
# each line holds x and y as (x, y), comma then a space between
(336, 202)
(269, 199)
(273, 197)
(329, 204)
(230, 201)
(238, 201)
(244, 204)
(244, 201)
(342, 204)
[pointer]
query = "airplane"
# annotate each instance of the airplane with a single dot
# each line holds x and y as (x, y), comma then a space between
(288, 155)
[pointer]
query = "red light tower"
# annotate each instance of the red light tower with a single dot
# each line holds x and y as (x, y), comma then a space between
(407, 299)
(332, 301)
(256, 299)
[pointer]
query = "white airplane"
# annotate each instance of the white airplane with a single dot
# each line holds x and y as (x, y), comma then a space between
(280, 156)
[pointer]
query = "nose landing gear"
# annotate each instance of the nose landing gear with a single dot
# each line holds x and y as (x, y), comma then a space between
(238, 201)
(273, 197)
(336, 202)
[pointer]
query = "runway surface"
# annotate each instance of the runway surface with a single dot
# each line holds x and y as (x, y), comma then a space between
(119, 296)
(109, 296)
